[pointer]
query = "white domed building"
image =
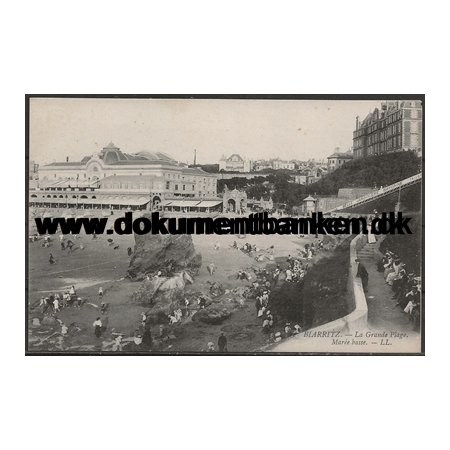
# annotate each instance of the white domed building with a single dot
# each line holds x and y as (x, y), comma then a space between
(117, 180)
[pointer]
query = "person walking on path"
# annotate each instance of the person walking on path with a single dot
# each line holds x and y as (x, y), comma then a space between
(362, 273)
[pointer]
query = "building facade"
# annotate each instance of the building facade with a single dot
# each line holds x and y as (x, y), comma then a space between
(114, 177)
(337, 159)
(278, 164)
(395, 127)
(261, 164)
(235, 163)
(234, 201)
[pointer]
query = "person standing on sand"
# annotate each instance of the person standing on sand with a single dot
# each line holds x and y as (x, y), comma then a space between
(147, 337)
(56, 305)
(222, 343)
(97, 327)
(276, 275)
(51, 260)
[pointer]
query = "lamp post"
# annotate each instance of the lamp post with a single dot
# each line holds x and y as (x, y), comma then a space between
(316, 207)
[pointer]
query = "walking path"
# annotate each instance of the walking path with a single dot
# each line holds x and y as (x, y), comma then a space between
(383, 314)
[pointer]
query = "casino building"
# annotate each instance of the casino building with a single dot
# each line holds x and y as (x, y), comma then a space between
(113, 179)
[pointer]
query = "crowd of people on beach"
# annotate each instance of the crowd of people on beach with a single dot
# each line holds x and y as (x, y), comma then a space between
(260, 287)
(406, 286)
(266, 281)
(55, 301)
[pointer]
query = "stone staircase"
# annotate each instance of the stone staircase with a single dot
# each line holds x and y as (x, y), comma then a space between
(367, 253)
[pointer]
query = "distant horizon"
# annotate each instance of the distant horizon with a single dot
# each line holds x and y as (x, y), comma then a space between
(255, 129)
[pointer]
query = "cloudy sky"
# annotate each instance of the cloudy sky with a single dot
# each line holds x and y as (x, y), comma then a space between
(256, 129)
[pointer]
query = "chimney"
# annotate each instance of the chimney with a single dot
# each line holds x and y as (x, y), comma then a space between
(357, 122)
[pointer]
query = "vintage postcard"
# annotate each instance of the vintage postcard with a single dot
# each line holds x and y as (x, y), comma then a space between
(224, 225)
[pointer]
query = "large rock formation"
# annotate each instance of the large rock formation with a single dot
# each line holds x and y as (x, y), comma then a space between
(170, 253)
(212, 315)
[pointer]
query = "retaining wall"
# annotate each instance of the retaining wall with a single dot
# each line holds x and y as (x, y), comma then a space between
(356, 320)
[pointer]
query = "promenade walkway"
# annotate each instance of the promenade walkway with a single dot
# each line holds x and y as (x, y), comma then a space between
(383, 314)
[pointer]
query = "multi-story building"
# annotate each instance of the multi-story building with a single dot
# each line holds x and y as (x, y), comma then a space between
(260, 165)
(397, 126)
(112, 177)
(278, 164)
(337, 159)
(234, 163)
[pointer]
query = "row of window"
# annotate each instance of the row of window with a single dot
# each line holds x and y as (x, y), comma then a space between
(391, 130)
(174, 176)
(128, 185)
(63, 196)
(69, 189)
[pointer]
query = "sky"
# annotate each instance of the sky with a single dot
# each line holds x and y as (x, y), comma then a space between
(256, 129)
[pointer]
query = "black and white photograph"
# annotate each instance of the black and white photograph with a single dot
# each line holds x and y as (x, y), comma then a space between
(224, 224)
(115, 183)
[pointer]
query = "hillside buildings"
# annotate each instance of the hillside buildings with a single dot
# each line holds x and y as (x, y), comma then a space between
(278, 164)
(396, 126)
(235, 163)
(337, 159)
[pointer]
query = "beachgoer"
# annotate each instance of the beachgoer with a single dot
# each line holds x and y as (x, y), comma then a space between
(147, 337)
(362, 273)
(97, 327)
(222, 343)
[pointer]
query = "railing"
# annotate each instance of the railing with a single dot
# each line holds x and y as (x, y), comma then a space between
(379, 193)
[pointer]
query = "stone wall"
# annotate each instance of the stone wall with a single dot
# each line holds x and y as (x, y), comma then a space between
(355, 321)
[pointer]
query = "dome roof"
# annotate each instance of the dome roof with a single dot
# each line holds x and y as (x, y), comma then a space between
(155, 156)
(112, 154)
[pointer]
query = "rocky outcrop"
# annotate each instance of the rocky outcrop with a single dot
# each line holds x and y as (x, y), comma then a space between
(166, 253)
(212, 315)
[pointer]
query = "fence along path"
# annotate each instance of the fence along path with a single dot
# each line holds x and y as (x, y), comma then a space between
(379, 193)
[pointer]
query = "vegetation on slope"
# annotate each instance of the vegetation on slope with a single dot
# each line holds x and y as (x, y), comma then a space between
(369, 172)
(365, 172)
